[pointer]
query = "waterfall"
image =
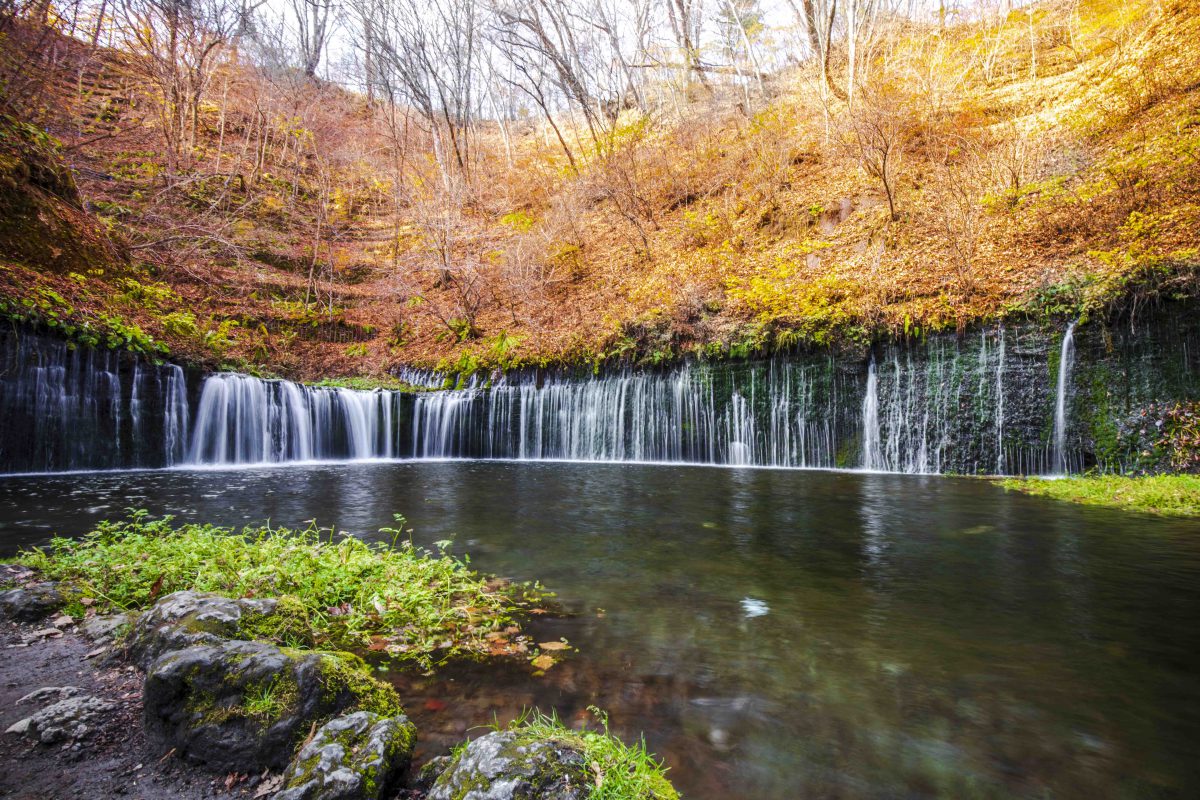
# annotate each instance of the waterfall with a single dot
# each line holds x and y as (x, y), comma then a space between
(241, 419)
(977, 404)
(871, 457)
(1000, 406)
(175, 423)
(65, 407)
(1060, 400)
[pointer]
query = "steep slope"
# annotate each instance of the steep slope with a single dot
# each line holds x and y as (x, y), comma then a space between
(1040, 165)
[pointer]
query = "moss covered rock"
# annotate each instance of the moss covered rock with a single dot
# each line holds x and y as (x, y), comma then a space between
(185, 619)
(241, 705)
(359, 756)
(506, 766)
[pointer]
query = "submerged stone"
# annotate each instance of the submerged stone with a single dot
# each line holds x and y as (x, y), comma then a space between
(355, 757)
(504, 766)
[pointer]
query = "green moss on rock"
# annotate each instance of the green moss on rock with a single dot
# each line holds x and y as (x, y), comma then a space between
(347, 674)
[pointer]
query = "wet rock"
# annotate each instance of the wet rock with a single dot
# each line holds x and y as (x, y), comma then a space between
(503, 766)
(185, 619)
(106, 628)
(71, 719)
(242, 706)
(31, 603)
(429, 773)
(48, 693)
(188, 618)
(355, 757)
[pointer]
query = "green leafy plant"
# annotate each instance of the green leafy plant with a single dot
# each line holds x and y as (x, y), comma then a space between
(409, 603)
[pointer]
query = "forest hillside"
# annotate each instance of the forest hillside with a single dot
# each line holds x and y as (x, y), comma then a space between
(215, 194)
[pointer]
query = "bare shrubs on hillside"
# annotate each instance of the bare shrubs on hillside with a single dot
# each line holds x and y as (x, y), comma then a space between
(879, 128)
(960, 182)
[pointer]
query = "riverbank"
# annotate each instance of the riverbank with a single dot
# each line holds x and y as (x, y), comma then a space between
(332, 590)
(241, 675)
(1168, 495)
(112, 757)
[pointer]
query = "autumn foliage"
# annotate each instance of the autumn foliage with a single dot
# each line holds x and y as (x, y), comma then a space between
(1040, 162)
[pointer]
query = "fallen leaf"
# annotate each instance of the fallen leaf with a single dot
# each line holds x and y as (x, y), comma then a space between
(433, 704)
(554, 645)
(96, 652)
(543, 662)
(157, 587)
(268, 787)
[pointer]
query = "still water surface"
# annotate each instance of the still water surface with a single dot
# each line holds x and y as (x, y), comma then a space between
(778, 634)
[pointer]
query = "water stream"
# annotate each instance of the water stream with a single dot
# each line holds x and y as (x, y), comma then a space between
(1066, 356)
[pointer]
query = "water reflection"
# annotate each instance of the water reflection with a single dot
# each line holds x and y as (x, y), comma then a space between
(780, 634)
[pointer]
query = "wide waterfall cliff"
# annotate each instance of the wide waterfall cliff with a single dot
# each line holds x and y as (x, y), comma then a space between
(64, 407)
(1020, 399)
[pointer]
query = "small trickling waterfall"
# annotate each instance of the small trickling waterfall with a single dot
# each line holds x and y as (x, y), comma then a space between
(1000, 406)
(63, 407)
(1066, 356)
(871, 457)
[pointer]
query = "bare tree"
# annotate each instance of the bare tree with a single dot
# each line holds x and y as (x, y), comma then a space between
(880, 127)
(427, 55)
(178, 44)
(312, 19)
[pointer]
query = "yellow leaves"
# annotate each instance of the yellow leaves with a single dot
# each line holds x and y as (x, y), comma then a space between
(518, 220)
(543, 662)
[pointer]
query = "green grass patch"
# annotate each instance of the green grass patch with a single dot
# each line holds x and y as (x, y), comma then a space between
(1169, 495)
(411, 604)
(622, 772)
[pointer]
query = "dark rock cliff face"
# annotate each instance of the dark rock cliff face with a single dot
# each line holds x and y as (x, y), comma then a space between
(985, 402)
(65, 407)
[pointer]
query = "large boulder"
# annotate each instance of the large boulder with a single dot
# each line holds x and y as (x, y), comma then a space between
(31, 603)
(241, 705)
(506, 766)
(185, 619)
(355, 757)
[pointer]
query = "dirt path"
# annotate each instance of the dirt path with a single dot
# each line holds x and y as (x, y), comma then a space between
(113, 759)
